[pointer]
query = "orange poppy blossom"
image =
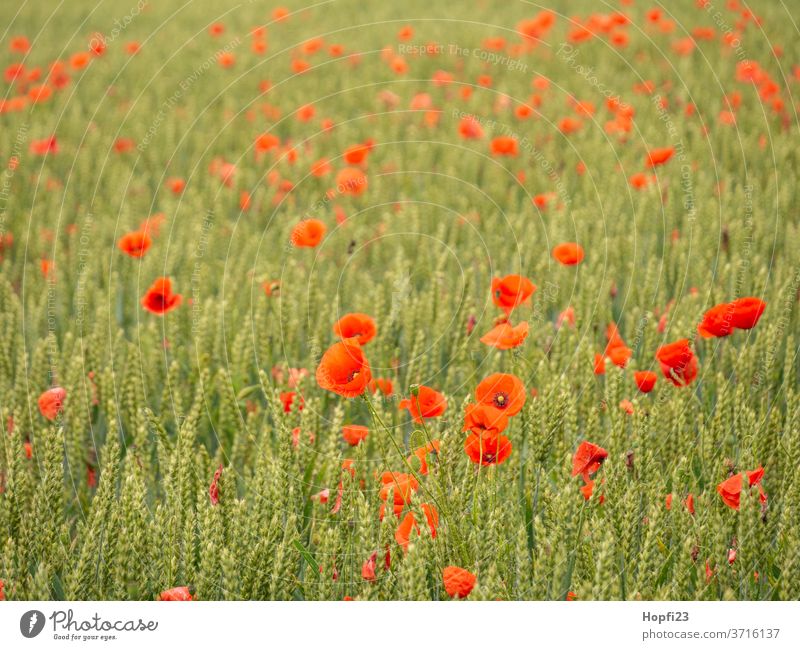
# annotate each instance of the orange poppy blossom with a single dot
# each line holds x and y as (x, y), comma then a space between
(747, 312)
(505, 336)
(427, 403)
(288, 400)
(487, 448)
(722, 319)
(351, 180)
(502, 391)
(344, 369)
(678, 363)
(688, 502)
(458, 582)
(135, 244)
(587, 459)
(421, 453)
(616, 350)
(511, 291)
(354, 434)
(568, 253)
(484, 418)
(383, 385)
(645, 380)
(159, 298)
(504, 145)
(717, 322)
(51, 402)
(731, 488)
(402, 534)
(659, 156)
(178, 594)
(356, 325)
(308, 233)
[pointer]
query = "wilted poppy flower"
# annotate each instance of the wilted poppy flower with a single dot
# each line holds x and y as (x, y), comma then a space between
(368, 568)
(568, 253)
(587, 459)
(177, 594)
(747, 312)
(458, 582)
(213, 489)
(678, 363)
(51, 402)
(159, 298)
(308, 233)
(502, 391)
(484, 418)
(731, 489)
(511, 291)
(487, 448)
(504, 336)
(421, 454)
(400, 487)
(344, 369)
(645, 380)
(659, 156)
(356, 325)
(353, 434)
(408, 525)
(135, 244)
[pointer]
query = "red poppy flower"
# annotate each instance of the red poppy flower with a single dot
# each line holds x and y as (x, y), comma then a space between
(458, 582)
(678, 363)
(511, 291)
(469, 128)
(356, 325)
(484, 418)
(645, 380)
(308, 233)
(717, 321)
(504, 336)
(487, 448)
(159, 298)
(353, 434)
(568, 253)
(177, 594)
(382, 384)
(504, 145)
(731, 489)
(428, 403)
(344, 369)
(659, 156)
(587, 459)
(747, 312)
(288, 401)
(351, 180)
(51, 402)
(135, 244)
(502, 391)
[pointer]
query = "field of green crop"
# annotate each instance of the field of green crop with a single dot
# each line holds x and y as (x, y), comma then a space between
(193, 194)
